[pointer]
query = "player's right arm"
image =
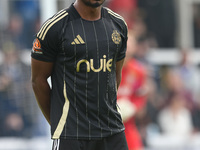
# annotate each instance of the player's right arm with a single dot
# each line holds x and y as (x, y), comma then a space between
(46, 46)
(40, 72)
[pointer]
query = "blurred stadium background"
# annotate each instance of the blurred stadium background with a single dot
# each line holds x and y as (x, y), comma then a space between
(167, 39)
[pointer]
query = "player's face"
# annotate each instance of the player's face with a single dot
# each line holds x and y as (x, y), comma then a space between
(93, 3)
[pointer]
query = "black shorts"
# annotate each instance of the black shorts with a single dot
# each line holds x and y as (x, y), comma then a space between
(115, 142)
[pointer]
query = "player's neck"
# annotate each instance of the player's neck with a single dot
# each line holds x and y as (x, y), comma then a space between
(88, 13)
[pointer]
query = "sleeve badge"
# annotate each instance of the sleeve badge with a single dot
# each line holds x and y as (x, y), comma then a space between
(37, 47)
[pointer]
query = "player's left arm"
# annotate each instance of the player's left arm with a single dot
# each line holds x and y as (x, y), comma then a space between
(121, 54)
(119, 65)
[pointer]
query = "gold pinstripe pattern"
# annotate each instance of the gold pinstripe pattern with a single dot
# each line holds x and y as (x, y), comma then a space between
(43, 31)
(63, 118)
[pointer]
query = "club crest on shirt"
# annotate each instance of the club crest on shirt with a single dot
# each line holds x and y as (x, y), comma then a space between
(37, 47)
(116, 37)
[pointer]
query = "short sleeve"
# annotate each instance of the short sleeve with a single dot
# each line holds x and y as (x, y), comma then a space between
(45, 45)
(122, 52)
(47, 41)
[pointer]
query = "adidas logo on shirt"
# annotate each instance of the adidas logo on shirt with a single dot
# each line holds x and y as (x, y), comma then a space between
(78, 40)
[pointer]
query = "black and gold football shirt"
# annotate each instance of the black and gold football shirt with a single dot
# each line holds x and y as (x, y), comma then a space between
(83, 98)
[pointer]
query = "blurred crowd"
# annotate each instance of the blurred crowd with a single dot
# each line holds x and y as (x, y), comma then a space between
(170, 110)
(19, 114)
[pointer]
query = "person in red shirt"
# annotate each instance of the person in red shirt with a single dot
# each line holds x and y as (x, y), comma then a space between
(132, 94)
